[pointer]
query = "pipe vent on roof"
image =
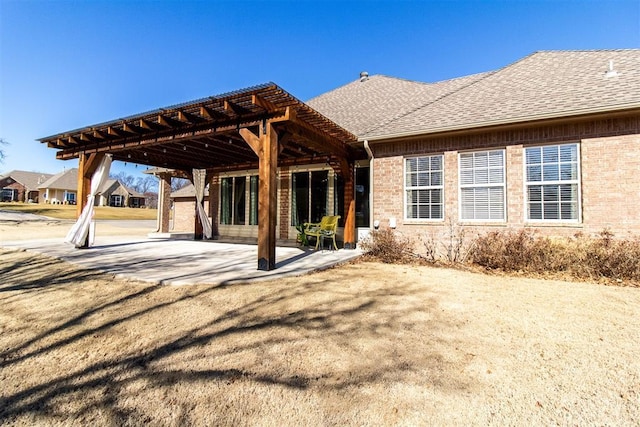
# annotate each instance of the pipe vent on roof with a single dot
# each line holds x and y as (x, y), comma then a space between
(611, 72)
(364, 76)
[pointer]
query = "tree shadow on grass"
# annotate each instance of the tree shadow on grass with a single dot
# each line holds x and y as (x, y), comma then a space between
(307, 335)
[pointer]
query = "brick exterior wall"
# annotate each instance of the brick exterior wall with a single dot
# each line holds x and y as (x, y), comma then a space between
(284, 203)
(184, 213)
(611, 184)
(609, 165)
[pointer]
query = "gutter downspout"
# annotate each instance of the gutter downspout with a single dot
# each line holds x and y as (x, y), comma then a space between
(371, 159)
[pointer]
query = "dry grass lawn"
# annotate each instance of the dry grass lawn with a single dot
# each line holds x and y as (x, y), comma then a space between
(364, 344)
(69, 211)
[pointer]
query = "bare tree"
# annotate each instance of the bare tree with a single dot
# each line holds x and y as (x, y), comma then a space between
(145, 185)
(178, 183)
(2, 153)
(124, 178)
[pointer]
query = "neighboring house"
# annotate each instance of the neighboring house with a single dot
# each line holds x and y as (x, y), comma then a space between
(22, 186)
(61, 188)
(549, 143)
(114, 193)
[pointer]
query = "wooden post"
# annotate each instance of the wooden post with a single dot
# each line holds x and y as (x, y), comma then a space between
(87, 165)
(164, 202)
(266, 147)
(348, 172)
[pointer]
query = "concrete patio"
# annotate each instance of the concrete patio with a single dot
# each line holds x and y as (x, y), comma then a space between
(183, 262)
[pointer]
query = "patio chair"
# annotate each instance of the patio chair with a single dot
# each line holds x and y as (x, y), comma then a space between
(326, 228)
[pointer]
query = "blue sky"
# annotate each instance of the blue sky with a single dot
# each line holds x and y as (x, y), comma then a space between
(70, 64)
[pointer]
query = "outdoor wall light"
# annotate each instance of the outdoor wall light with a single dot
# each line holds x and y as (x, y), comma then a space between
(392, 222)
(376, 224)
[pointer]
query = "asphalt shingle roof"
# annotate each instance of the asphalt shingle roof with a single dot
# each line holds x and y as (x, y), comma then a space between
(362, 107)
(65, 180)
(30, 180)
(545, 84)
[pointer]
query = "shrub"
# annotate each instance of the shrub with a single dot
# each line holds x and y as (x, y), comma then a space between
(388, 246)
(450, 245)
(583, 257)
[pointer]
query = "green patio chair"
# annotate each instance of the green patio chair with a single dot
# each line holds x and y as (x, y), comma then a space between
(326, 228)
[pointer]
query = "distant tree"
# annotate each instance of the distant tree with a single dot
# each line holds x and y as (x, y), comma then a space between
(151, 200)
(147, 184)
(124, 178)
(178, 183)
(2, 153)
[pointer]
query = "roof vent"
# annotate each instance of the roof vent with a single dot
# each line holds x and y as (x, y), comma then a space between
(611, 72)
(364, 76)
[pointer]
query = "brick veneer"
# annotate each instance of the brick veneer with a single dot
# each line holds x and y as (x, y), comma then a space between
(283, 202)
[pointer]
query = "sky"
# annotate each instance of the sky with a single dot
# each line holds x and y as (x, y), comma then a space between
(71, 64)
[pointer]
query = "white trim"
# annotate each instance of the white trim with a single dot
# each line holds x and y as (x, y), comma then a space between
(423, 187)
(578, 182)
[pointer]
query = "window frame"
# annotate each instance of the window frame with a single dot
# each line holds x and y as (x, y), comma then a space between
(407, 188)
(527, 184)
(503, 185)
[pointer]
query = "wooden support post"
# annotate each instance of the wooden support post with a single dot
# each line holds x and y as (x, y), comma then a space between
(87, 165)
(348, 172)
(266, 147)
(164, 202)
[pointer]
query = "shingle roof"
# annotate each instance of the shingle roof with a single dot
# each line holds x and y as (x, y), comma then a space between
(65, 180)
(30, 180)
(118, 188)
(187, 191)
(363, 106)
(546, 84)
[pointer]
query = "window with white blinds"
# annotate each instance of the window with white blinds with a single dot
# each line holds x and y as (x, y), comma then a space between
(482, 186)
(552, 182)
(424, 187)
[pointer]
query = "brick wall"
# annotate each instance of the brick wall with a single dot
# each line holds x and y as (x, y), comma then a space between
(184, 213)
(611, 184)
(283, 202)
(610, 178)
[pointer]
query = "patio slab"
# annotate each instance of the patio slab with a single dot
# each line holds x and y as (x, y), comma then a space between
(183, 262)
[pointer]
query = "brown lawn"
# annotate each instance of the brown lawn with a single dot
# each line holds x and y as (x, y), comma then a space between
(363, 344)
(70, 211)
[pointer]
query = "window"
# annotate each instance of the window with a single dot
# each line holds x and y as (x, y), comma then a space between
(424, 187)
(115, 200)
(233, 200)
(309, 196)
(482, 186)
(8, 194)
(253, 200)
(552, 183)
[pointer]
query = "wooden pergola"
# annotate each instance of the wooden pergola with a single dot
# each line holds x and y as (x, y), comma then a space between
(261, 127)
